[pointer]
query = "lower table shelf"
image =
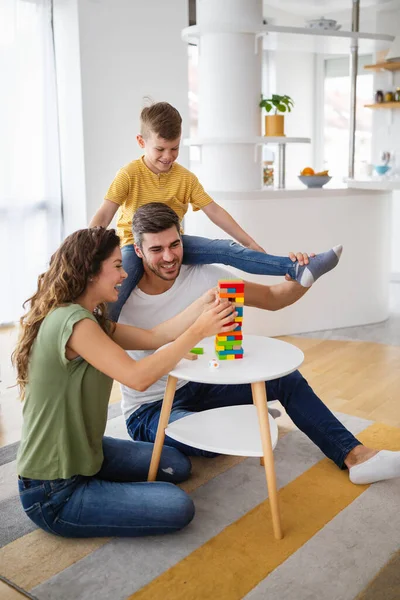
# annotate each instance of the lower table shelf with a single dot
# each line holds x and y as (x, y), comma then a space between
(232, 430)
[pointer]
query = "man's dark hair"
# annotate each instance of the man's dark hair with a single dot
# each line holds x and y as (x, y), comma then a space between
(153, 218)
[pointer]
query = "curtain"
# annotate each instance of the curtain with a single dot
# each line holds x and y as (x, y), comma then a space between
(30, 191)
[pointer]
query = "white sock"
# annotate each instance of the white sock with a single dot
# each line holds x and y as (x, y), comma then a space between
(384, 465)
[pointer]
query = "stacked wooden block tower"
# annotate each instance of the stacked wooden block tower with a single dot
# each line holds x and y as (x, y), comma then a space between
(228, 346)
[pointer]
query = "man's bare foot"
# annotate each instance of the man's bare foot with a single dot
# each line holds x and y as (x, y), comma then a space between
(358, 455)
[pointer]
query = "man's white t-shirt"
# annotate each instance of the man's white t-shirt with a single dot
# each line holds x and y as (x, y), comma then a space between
(146, 311)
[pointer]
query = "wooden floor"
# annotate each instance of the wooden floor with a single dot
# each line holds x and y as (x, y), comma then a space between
(359, 378)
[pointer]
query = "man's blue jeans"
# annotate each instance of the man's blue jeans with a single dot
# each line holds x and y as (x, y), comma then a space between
(303, 406)
(117, 501)
(203, 251)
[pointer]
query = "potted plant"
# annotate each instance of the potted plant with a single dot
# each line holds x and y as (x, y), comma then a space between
(274, 124)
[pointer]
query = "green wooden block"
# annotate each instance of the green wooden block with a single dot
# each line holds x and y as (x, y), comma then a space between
(197, 350)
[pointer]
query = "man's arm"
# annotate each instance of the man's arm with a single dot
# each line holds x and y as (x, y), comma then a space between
(223, 219)
(273, 297)
(105, 214)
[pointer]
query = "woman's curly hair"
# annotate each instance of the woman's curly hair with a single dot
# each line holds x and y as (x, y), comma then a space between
(78, 259)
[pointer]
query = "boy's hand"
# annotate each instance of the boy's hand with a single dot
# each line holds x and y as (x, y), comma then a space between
(254, 246)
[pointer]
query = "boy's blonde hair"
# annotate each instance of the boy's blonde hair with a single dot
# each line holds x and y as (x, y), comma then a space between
(162, 119)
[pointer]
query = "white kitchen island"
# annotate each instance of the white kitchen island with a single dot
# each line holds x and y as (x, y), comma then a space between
(356, 292)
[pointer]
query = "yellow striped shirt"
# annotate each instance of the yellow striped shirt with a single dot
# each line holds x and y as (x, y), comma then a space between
(135, 185)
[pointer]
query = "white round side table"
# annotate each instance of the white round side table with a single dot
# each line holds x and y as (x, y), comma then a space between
(245, 430)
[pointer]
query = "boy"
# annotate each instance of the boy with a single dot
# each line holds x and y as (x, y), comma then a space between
(156, 177)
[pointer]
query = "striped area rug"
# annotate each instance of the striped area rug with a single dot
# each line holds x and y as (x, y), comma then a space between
(341, 541)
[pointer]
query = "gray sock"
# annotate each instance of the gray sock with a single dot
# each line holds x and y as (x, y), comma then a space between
(318, 265)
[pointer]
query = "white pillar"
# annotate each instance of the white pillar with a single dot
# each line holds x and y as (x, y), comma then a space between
(229, 93)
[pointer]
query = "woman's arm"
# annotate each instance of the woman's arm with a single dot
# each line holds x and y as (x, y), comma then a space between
(90, 342)
(134, 338)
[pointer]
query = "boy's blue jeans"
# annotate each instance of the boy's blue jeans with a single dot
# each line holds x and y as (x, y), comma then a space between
(117, 501)
(303, 406)
(204, 251)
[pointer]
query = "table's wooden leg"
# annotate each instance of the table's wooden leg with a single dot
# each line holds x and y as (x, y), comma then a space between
(260, 400)
(162, 424)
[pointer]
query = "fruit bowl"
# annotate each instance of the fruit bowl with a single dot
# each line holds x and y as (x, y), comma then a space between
(314, 181)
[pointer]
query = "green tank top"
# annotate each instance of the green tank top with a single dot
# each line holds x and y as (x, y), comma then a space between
(65, 407)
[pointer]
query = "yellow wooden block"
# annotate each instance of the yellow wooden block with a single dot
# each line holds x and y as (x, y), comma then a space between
(238, 299)
(219, 347)
(222, 338)
(238, 320)
(230, 357)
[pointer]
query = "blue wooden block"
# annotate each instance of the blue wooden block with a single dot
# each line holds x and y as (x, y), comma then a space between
(225, 352)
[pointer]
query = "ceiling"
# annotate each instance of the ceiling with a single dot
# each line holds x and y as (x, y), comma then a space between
(318, 8)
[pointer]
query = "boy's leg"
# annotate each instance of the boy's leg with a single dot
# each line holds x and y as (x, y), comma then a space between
(200, 251)
(133, 265)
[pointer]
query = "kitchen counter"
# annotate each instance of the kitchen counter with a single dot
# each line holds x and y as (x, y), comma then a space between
(374, 183)
(314, 220)
(302, 192)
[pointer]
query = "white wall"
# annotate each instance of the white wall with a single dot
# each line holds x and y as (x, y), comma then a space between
(110, 55)
(386, 130)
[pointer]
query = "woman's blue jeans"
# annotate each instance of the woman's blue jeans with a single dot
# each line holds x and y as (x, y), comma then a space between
(204, 251)
(117, 501)
(303, 406)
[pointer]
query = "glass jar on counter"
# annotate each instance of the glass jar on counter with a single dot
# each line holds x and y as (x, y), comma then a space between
(268, 173)
(379, 96)
(397, 95)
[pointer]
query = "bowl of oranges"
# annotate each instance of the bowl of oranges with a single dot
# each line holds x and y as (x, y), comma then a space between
(311, 179)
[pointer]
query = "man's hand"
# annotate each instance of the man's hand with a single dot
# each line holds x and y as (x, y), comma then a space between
(303, 259)
(254, 246)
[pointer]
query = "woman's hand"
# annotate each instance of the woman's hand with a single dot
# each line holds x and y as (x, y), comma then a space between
(216, 316)
(209, 298)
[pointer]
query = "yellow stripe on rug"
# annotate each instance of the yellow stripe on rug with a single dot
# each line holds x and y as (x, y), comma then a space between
(232, 563)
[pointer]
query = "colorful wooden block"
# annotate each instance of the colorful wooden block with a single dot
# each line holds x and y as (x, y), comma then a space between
(233, 295)
(229, 346)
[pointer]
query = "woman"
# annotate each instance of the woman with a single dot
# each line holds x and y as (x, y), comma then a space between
(72, 481)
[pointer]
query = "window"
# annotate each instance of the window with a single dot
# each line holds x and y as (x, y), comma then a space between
(336, 119)
(30, 197)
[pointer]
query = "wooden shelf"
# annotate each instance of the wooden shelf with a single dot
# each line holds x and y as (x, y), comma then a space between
(259, 141)
(383, 105)
(387, 66)
(304, 39)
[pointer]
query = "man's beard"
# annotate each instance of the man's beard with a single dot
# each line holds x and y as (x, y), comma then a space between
(160, 274)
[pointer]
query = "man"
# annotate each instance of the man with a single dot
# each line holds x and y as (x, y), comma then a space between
(165, 289)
